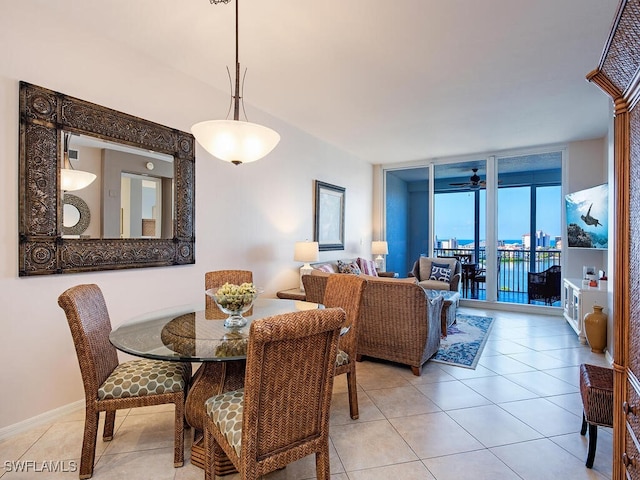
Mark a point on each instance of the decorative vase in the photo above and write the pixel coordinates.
(595, 326)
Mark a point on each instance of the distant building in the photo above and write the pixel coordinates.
(452, 243)
(542, 240)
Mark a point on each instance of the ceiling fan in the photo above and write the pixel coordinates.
(474, 183)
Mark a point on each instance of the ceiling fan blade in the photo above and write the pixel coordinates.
(465, 184)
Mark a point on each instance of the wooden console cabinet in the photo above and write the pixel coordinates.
(578, 301)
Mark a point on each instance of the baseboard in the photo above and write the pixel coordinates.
(512, 307)
(42, 419)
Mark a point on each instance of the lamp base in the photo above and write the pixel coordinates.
(380, 263)
(306, 269)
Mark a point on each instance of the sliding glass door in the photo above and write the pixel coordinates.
(501, 216)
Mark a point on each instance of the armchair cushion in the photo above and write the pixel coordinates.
(440, 272)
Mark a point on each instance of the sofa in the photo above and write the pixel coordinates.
(366, 267)
(398, 322)
(422, 271)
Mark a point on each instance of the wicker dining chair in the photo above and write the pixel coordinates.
(282, 413)
(315, 286)
(345, 291)
(217, 278)
(110, 385)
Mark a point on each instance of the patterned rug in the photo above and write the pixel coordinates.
(465, 340)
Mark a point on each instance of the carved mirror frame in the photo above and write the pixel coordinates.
(44, 114)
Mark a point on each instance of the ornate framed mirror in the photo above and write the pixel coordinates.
(45, 117)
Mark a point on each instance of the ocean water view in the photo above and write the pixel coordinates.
(462, 243)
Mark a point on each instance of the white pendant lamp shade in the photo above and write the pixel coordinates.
(235, 141)
(71, 180)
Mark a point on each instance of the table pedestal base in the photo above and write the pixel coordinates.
(212, 378)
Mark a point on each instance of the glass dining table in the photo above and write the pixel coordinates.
(197, 334)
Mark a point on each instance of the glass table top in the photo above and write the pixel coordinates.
(195, 334)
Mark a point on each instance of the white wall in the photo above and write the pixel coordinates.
(586, 167)
(246, 217)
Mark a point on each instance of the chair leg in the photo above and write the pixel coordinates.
(583, 429)
(353, 394)
(178, 449)
(593, 438)
(109, 422)
(322, 463)
(208, 442)
(89, 443)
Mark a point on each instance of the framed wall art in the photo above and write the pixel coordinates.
(329, 216)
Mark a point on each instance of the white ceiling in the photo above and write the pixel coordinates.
(389, 81)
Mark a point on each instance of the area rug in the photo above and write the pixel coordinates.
(465, 341)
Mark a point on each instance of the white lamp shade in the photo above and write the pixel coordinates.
(379, 248)
(235, 141)
(306, 252)
(71, 180)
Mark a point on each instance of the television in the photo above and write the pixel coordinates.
(588, 218)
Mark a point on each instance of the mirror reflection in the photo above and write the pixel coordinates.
(133, 194)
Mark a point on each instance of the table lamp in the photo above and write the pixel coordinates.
(305, 252)
(379, 248)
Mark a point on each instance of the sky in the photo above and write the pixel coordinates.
(455, 218)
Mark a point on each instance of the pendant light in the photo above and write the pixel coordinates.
(70, 178)
(234, 140)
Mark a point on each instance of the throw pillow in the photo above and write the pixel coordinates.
(368, 267)
(352, 268)
(440, 272)
(325, 268)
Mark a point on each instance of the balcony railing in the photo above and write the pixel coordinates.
(513, 267)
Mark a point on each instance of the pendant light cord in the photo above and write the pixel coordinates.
(236, 97)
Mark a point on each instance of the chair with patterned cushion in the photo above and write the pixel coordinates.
(217, 278)
(345, 291)
(282, 413)
(110, 385)
(437, 273)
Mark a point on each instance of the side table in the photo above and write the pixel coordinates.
(292, 294)
(388, 274)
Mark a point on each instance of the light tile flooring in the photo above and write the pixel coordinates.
(516, 416)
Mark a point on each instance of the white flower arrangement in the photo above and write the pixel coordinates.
(236, 297)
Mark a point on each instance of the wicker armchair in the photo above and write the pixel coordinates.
(102, 375)
(217, 278)
(399, 323)
(345, 291)
(546, 286)
(397, 320)
(282, 413)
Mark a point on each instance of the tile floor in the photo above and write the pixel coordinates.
(516, 416)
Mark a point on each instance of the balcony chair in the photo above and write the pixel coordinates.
(546, 286)
(104, 378)
(480, 276)
(282, 413)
